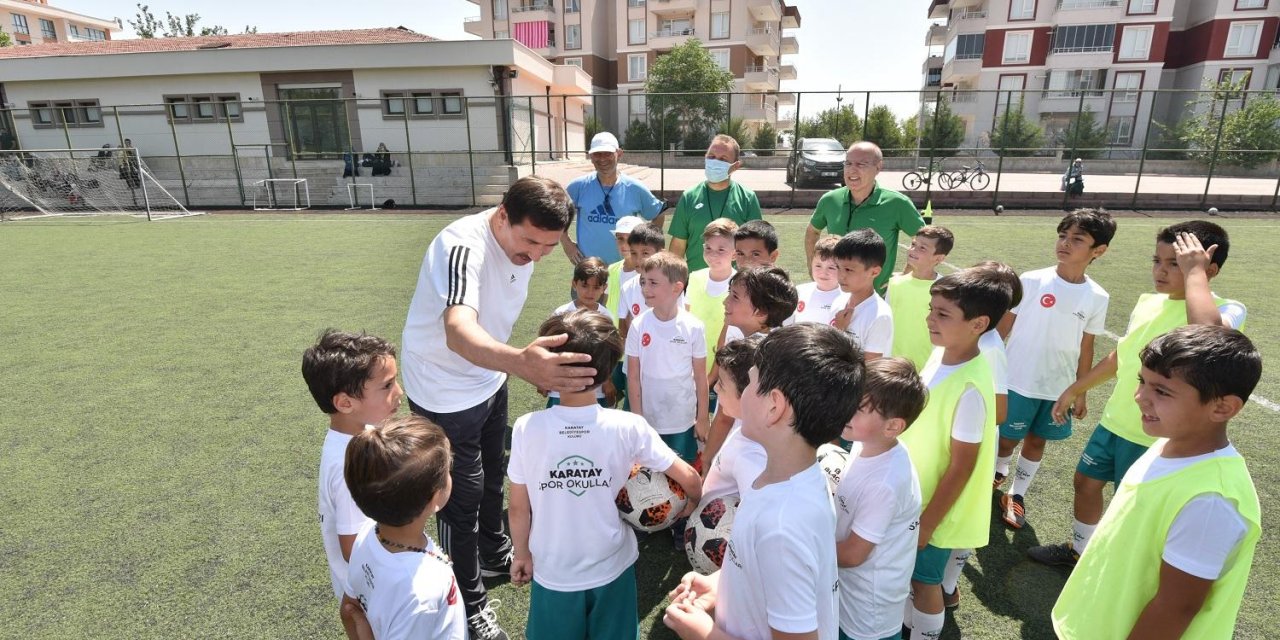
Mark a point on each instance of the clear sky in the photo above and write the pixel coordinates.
(856, 45)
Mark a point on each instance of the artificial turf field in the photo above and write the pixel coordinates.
(159, 449)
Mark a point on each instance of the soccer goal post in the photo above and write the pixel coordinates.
(42, 183)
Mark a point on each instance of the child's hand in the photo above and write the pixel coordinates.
(610, 393)
(1081, 408)
(1065, 401)
(841, 321)
(696, 589)
(688, 621)
(702, 428)
(521, 570)
(1190, 254)
(926, 533)
(542, 392)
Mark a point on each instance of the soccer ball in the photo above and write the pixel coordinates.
(999, 209)
(706, 537)
(833, 459)
(1213, 211)
(649, 500)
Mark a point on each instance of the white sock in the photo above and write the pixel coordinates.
(909, 611)
(1025, 472)
(1002, 465)
(928, 626)
(951, 575)
(1080, 535)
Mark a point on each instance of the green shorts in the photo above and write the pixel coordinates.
(685, 444)
(896, 636)
(931, 562)
(1032, 415)
(1107, 456)
(608, 611)
(620, 383)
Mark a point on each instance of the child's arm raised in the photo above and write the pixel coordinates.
(520, 515)
(1177, 601)
(1100, 373)
(1194, 261)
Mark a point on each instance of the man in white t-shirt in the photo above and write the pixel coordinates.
(472, 286)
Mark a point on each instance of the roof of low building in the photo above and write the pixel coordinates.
(385, 35)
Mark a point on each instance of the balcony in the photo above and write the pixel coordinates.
(763, 41)
(932, 63)
(936, 36)
(476, 26)
(758, 113)
(530, 11)
(1072, 5)
(765, 10)
(959, 69)
(790, 46)
(673, 7)
(790, 17)
(787, 72)
(759, 78)
(937, 9)
(668, 38)
(786, 99)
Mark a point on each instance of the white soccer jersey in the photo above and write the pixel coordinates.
(738, 463)
(573, 461)
(872, 325)
(779, 570)
(815, 305)
(464, 265)
(879, 500)
(339, 514)
(1044, 346)
(666, 351)
(993, 349)
(407, 594)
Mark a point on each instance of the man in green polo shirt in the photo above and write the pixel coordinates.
(718, 197)
(864, 204)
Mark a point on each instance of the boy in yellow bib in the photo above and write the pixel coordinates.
(1171, 557)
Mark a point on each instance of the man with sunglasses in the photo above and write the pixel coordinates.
(601, 198)
(863, 203)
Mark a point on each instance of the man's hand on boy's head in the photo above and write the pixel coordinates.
(554, 371)
(1190, 254)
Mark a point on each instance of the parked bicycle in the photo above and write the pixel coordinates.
(976, 177)
(922, 176)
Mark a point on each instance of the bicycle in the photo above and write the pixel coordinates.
(913, 180)
(977, 177)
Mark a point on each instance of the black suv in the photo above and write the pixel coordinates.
(816, 160)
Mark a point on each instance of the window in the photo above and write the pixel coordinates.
(721, 58)
(75, 31)
(637, 67)
(636, 103)
(635, 3)
(1017, 47)
(1138, 7)
(499, 9)
(96, 34)
(1128, 84)
(423, 104)
(189, 109)
(1120, 130)
(501, 35)
(720, 25)
(1083, 38)
(934, 78)
(203, 107)
(43, 117)
(1087, 4)
(574, 62)
(20, 24)
(1273, 78)
(676, 27)
(47, 30)
(229, 107)
(1010, 90)
(636, 31)
(178, 108)
(1242, 40)
(573, 36)
(966, 47)
(1071, 83)
(1022, 9)
(1251, 4)
(392, 103)
(68, 113)
(452, 103)
(1136, 43)
(1236, 77)
(572, 6)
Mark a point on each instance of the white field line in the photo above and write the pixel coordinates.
(1108, 334)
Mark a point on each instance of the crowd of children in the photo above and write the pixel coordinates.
(731, 377)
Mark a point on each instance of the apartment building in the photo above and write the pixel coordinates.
(1056, 56)
(35, 22)
(617, 41)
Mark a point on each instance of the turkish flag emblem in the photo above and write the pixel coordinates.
(635, 309)
(453, 592)
(645, 340)
(1047, 301)
(800, 306)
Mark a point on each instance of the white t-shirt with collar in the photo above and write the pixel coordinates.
(573, 461)
(1045, 341)
(992, 348)
(464, 265)
(816, 305)
(339, 514)
(666, 350)
(872, 325)
(407, 594)
(737, 464)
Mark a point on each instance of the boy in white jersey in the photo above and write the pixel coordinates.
(908, 293)
(620, 273)
(399, 474)
(821, 299)
(779, 575)
(352, 378)
(1171, 557)
(755, 244)
(645, 241)
(1051, 340)
(739, 460)
(590, 279)
(567, 465)
(878, 504)
(860, 255)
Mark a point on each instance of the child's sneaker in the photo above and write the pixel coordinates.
(1014, 510)
(951, 600)
(995, 484)
(483, 624)
(1055, 555)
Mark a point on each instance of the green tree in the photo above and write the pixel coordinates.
(5, 40)
(882, 129)
(696, 141)
(910, 134)
(1014, 134)
(943, 130)
(590, 127)
(766, 140)
(639, 136)
(147, 25)
(1086, 135)
(689, 72)
(1250, 132)
(737, 129)
(841, 123)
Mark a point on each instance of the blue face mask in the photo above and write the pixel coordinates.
(717, 170)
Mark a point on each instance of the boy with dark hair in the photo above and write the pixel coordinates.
(821, 299)
(399, 474)
(645, 241)
(352, 377)
(1171, 557)
(860, 255)
(952, 443)
(779, 574)
(584, 586)
(738, 460)
(908, 293)
(1187, 256)
(1051, 340)
(878, 504)
(590, 279)
(755, 244)
(624, 270)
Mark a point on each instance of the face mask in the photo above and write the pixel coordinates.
(717, 170)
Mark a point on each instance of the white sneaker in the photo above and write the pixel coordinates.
(483, 624)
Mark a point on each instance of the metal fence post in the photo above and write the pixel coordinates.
(235, 158)
(1146, 142)
(866, 111)
(182, 173)
(1075, 146)
(933, 148)
(564, 120)
(1217, 145)
(662, 144)
(1004, 138)
(293, 152)
(795, 137)
(119, 129)
(351, 144)
(471, 156)
(408, 148)
(533, 139)
(66, 133)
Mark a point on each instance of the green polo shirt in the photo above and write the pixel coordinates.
(885, 211)
(698, 206)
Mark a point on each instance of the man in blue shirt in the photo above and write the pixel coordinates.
(603, 197)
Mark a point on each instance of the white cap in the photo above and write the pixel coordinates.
(626, 223)
(604, 141)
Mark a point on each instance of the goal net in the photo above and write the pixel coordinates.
(82, 182)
